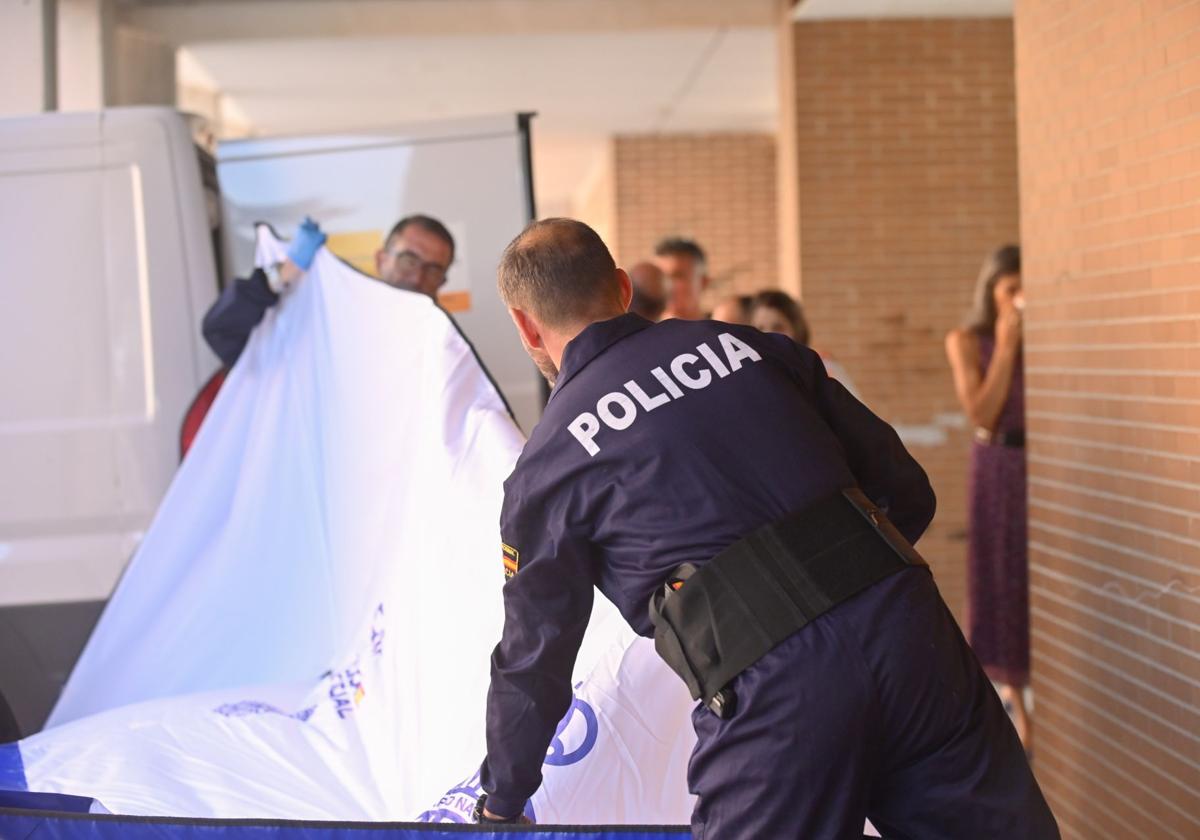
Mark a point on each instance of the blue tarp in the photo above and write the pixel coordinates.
(17, 824)
(12, 770)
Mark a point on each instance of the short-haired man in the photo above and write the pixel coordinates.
(649, 291)
(737, 504)
(686, 268)
(415, 256)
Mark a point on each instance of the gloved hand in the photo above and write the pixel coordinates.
(308, 240)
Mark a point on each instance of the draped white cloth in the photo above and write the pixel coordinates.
(305, 629)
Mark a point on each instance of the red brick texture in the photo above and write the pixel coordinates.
(1109, 134)
(718, 189)
(907, 161)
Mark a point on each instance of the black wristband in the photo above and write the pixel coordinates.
(481, 817)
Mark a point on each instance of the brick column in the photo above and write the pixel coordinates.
(1109, 116)
(905, 156)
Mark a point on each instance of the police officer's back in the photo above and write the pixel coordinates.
(706, 478)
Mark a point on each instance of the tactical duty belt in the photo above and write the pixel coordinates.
(712, 623)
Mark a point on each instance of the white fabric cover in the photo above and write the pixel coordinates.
(305, 630)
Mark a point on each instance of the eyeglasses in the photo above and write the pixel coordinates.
(409, 262)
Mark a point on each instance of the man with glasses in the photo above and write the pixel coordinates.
(415, 256)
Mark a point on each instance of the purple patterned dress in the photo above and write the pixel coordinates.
(998, 562)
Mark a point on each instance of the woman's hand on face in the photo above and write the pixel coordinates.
(1008, 326)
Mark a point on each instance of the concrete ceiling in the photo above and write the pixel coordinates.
(589, 68)
(585, 86)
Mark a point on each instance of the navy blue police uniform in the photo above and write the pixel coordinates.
(665, 444)
(240, 308)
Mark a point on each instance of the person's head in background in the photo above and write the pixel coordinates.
(416, 255)
(997, 290)
(556, 278)
(649, 291)
(684, 264)
(777, 312)
(734, 309)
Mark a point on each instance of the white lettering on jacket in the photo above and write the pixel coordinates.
(617, 411)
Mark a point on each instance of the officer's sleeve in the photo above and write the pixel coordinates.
(885, 470)
(547, 604)
(240, 308)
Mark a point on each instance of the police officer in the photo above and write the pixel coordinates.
(740, 506)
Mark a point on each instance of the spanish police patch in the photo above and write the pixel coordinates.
(511, 559)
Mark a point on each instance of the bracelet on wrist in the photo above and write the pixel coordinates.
(480, 816)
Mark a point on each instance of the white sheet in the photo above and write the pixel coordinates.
(305, 630)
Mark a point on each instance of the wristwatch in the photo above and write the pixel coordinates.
(480, 817)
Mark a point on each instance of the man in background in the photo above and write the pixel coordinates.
(416, 255)
(685, 266)
(649, 291)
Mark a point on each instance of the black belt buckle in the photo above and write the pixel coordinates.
(723, 704)
(883, 526)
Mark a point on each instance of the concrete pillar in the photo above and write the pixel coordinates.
(144, 71)
(27, 66)
(595, 200)
(86, 54)
(787, 174)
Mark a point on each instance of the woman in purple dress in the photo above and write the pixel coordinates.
(985, 356)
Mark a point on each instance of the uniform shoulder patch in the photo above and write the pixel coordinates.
(512, 559)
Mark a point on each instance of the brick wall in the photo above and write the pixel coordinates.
(1109, 115)
(716, 188)
(906, 159)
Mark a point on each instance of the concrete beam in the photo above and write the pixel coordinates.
(212, 20)
(808, 10)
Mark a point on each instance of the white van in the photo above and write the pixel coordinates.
(107, 231)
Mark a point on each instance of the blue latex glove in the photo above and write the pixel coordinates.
(308, 240)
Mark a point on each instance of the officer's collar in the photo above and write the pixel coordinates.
(594, 340)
